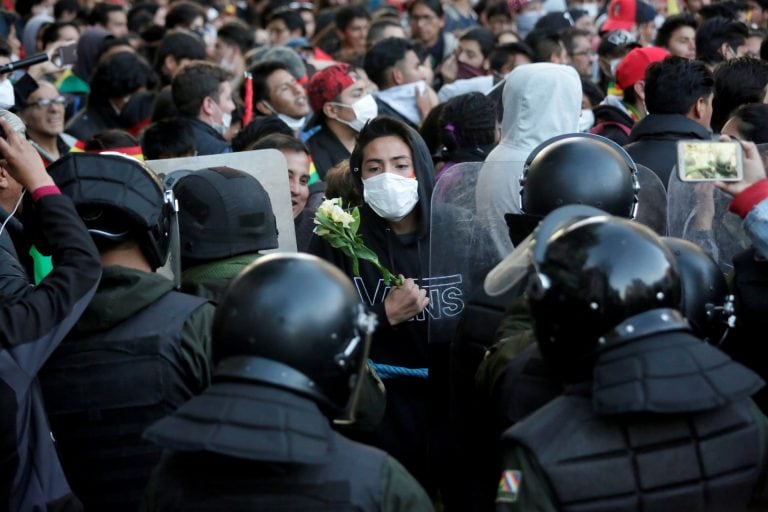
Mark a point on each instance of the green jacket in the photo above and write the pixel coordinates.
(123, 292)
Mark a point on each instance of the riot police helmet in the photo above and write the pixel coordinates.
(707, 302)
(295, 322)
(590, 273)
(579, 168)
(119, 199)
(223, 212)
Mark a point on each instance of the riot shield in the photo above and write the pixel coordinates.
(651, 201)
(266, 165)
(461, 250)
(698, 212)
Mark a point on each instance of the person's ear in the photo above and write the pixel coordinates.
(329, 110)
(700, 108)
(396, 76)
(263, 108)
(207, 106)
(4, 178)
(639, 88)
(724, 50)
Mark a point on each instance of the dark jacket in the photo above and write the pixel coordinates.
(140, 350)
(31, 477)
(92, 120)
(326, 150)
(207, 140)
(653, 141)
(403, 432)
(230, 461)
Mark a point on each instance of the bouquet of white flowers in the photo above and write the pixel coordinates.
(339, 227)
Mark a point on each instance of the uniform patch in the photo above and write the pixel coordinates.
(509, 485)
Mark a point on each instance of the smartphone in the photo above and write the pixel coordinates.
(699, 160)
(65, 56)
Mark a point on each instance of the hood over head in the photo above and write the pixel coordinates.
(541, 101)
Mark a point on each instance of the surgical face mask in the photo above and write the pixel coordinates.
(614, 63)
(226, 122)
(467, 71)
(586, 120)
(526, 20)
(590, 8)
(391, 196)
(295, 124)
(6, 94)
(365, 109)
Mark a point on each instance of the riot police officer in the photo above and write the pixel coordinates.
(140, 349)
(651, 417)
(290, 340)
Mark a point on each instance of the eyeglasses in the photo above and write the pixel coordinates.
(47, 102)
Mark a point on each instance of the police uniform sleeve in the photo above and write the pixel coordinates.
(401, 491)
(196, 344)
(522, 485)
(760, 497)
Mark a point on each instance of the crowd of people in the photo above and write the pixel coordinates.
(530, 309)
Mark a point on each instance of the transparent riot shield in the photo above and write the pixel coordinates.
(651, 201)
(698, 212)
(461, 250)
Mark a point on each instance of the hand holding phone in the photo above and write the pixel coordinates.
(709, 161)
(65, 55)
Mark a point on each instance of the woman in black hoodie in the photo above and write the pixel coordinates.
(392, 168)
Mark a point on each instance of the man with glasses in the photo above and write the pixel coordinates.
(580, 53)
(41, 107)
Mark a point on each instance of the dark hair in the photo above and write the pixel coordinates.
(292, 19)
(237, 33)
(121, 74)
(169, 138)
(64, 6)
(377, 28)
(737, 82)
(483, 37)
(501, 54)
(724, 9)
(281, 142)
(430, 131)
(5, 49)
(183, 14)
(50, 34)
(752, 122)
(340, 182)
(261, 73)
(711, 35)
(468, 121)
(670, 25)
(434, 5)
(258, 128)
(543, 44)
(764, 50)
(99, 15)
(592, 91)
(376, 128)
(349, 13)
(179, 44)
(383, 56)
(569, 34)
(500, 8)
(110, 139)
(194, 82)
(141, 16)
(673, 85)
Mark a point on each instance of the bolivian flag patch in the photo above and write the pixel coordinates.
(509, 485)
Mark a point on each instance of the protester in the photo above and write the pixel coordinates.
(33, 325)
(276, 92)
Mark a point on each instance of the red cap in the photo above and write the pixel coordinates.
(631, 69)
(327, 84)
(621, 15)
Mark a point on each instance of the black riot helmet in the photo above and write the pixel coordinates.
(590, 273)
(579, 168)
(707, 303)
(119, 199)
(295, 321)
(223, 212)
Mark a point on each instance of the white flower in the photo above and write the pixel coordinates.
(326, 207)
(339, 216)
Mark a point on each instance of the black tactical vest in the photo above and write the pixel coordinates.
(101, 392)
(250, 447)
(709, 461)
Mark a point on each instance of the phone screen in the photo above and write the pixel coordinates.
(709, 161)
(66, 55)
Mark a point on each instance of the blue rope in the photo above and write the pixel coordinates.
(387, 371)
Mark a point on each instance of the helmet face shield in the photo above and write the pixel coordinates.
(355, 357)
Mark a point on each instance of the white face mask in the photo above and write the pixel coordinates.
(7, 99)
(365, 109)
(226, 121)
(295, 124)
(586, 120)
(390, 195)
(590, 8)
(614, 63)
